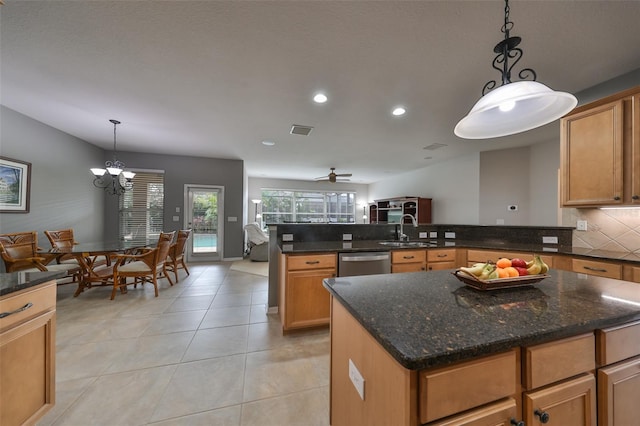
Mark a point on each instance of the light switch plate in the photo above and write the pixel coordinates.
(347, 245)
(287, 237)
(550, 240)
(176, 218)
(232, 219)
(581, 225)
(347, 237)
(499, 221)
(433, 234)
(356, 379)
(449, 234)
(177, 209)
(423, 235)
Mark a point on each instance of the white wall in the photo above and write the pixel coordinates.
(453, 186)
(257, 184)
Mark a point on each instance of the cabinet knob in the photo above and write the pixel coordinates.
(635, 197)
(515, 422)
(543, 415)
(616, 198)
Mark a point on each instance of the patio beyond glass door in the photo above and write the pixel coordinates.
(203, 214)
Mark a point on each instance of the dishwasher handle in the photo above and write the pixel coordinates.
(365, 258)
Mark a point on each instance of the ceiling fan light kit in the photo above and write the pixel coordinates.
(513, 107)
(334, 177)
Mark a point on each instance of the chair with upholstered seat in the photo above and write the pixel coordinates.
(175, 260)
(148, 266)
(20, 253)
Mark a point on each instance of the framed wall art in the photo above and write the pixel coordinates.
(15, 181)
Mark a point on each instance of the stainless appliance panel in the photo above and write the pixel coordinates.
(364, 263)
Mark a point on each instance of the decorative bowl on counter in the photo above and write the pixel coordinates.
(497, 283)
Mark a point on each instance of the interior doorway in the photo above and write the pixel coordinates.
(204, 213)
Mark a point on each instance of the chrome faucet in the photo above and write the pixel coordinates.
(402, 236)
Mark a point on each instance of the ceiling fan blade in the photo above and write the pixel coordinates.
(321, 177)
(344, 174)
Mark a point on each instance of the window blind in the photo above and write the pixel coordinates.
(142, 208)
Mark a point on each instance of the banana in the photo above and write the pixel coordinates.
(488, 270)
(474, 270)
(536, 268)
(544, 268)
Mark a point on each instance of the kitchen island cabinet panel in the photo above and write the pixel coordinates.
(618, 393)
(617, 343)
(499, 414)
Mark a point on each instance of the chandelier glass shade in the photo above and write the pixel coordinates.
(113, 178)
(512, 107)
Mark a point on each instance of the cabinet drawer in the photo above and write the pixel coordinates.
(41, 298)
(617, 343)
(497, 414)
(407, 267)
(316, 261)
(438, 266)
(450, 390)
(554, 361)
(408, 256)
(441, 255)
(601, 269)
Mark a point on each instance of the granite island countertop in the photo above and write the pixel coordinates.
(16, 281)
(428, 319)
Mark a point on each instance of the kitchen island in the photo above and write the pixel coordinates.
(424, 348)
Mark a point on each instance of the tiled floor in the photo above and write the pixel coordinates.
(203, 353)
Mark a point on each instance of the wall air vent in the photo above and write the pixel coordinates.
(435, 146)
(297, 129)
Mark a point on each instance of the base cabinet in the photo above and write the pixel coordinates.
(408, 261)
(27, 355)
(304, 302)
(503, 413)
(619, 394)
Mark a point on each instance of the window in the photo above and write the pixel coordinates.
(282, 206)
(142, 208)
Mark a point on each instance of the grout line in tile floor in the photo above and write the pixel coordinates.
(204, 352)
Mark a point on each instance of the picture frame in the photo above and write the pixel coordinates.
(15, 185)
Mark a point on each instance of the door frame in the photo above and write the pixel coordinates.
(220, 236)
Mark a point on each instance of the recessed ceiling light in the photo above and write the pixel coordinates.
(268, 143)
(320, 98)
(398, 111)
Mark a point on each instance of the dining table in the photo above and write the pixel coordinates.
(96, 258)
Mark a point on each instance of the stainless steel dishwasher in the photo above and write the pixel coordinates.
(364, 263)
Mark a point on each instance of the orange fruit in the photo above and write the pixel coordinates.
(513, 272)
(502, 273)
(503, 263)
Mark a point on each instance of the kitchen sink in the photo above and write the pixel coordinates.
(407, 244)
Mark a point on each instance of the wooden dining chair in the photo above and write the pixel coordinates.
(148, 266)
(175, 260)
(20, 253)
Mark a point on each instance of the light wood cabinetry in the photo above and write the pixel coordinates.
(618, 352)
(441, 259)
(390, 210)
(304, 302)
(27, 354)
(408, 261)
(599, 268)
(503, 413)
(600, 152)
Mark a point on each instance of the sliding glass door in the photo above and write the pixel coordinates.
(204, 214)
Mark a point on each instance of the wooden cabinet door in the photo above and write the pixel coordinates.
(619, 393)
(307, 301)
(498, 414)
(27, 379)
(591, 156)
(570, 403)
(634, 157)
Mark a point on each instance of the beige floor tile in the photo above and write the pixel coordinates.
(269, 335)
(223, 317)
(143, 307)
(175, 322)
(202, 385)
(285, 370)
(228, 416)
(89, 359)
(151, 351)
(259, 297)
(199, 290)
(91, 330)
(119, 399)
(67, 392)
(306, 408)
(258, 313)
(231, 299)
(190, 303)
(217, 342)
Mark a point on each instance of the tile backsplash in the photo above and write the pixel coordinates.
(608, 229)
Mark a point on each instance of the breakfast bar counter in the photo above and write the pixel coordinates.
(391, 332)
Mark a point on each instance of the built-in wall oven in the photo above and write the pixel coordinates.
(364, 263)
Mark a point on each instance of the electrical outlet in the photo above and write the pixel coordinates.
(232, 219)
(549, 240)
(423, 235)
(499, 221)
(347, 237)
(176, 218)
(581, 225)
(449, 234)
(356, 379)
(287, 237)
(433, 234)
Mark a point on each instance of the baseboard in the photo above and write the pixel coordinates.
(232, 259)
(272, 309)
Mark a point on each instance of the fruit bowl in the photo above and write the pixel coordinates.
(498, 283)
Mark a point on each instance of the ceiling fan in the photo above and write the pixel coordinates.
(333, 177)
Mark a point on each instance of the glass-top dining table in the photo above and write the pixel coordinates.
(96, 259)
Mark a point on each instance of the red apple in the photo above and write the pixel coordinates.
(521, 271)
(518, 263)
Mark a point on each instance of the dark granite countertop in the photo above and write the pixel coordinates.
(427, 319)
(16, 281)
(374, 245)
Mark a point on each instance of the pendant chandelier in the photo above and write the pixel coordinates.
(113, 179)
(513, 107)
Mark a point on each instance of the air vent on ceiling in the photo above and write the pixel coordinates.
(435, 146)
(297, 129)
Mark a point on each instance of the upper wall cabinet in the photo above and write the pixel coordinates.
(600, 152)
